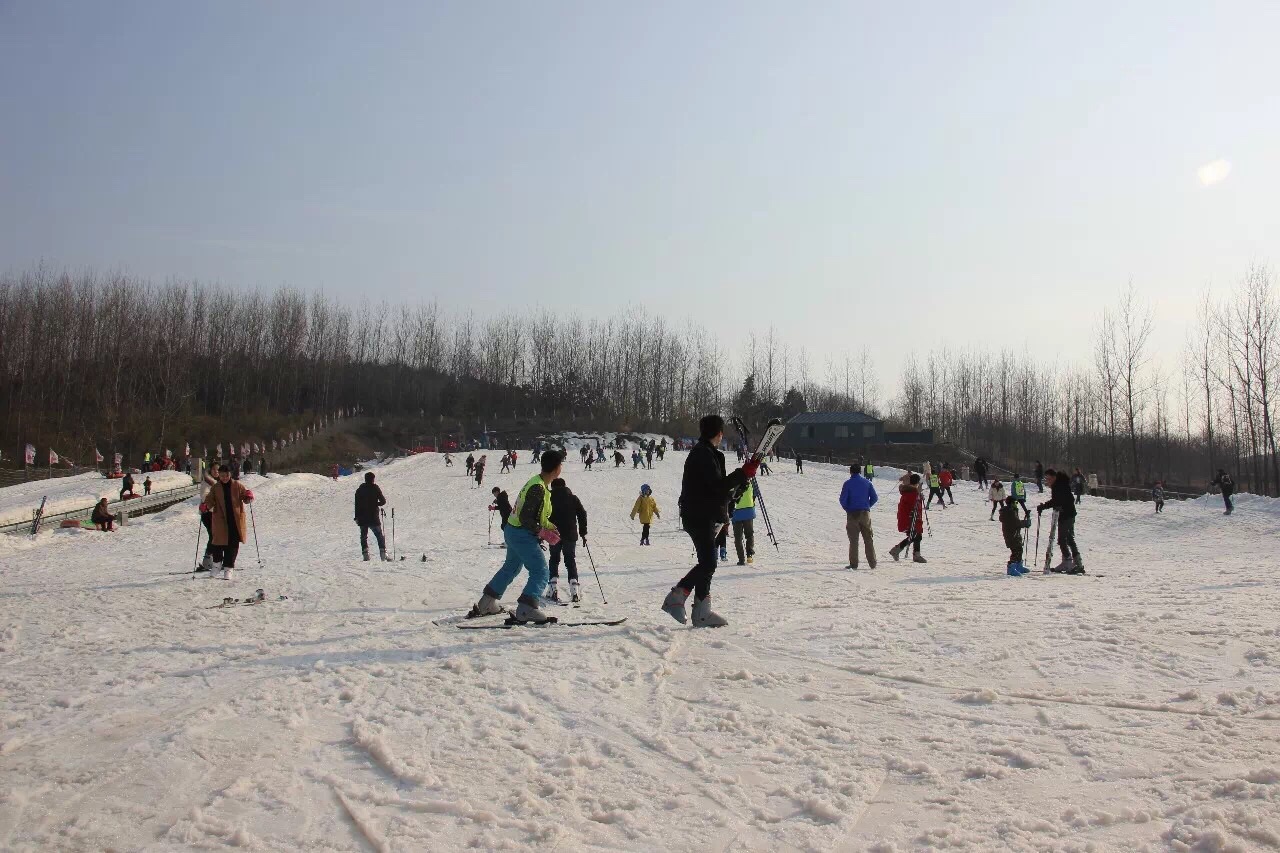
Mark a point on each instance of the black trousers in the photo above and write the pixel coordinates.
(938, 493)
(912, 539)
(1067, 537)
(226, 554)
(206, 518)
(568, 548)
(744, 530)
(644, 533)
(377, 534)
(698, 579)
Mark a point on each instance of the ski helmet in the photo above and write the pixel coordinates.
(644, 490)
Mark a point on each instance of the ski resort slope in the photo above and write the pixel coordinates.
(912, 706)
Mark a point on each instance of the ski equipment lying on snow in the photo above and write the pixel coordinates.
(462, 617)
(258, 597)
(512, 622)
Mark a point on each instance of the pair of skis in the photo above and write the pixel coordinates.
(772, 433)
(258, 597)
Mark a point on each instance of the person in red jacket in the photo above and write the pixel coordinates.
(946, 478)
(910, 519)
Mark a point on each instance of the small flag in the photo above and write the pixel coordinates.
(218, 451)
(53, 457)
(31, 454)
(97, 457)
(186, 450)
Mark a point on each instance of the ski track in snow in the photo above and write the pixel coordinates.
(912, 706)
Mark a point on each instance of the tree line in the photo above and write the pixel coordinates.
(112, 361)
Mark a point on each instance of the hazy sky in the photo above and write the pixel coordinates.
(892, 174)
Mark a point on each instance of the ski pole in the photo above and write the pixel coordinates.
(393, 533)
(199, 529)
(1036, 552)
(764, 513)
(254, 522)
(490, 536)
(593, 570)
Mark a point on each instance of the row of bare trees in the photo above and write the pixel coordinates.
(1123, 416)
(93, 360)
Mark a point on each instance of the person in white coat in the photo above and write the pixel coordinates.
(996, 496)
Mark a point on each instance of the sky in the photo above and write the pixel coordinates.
(897, 176)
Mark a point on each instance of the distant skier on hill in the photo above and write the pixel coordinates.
(471, 463)
(480, 463)
(647, 508)
(1077, 485)
(1228, 486)
(980, 470)
(1157, 495)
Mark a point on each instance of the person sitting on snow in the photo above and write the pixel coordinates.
(102, 517)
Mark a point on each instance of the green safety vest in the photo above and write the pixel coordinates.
(146, 457)
(544, 517)
(748, 498)
(869, 469)
(1019, 489)
(933, 481)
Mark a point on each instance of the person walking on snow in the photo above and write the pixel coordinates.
(704, 495)
(996, 496)
(945, 479)
(480, 463)
(935, 490)
(980, 471)
(857, 497)
(529, 524)
(1061, 499)
(1039, 476)
(225, 503)
(910, 519)
(471, 463)
(1012, 526)
(570, 520)
(799, 463)
(1157, 495)
(647, 508)
(1018, 492)
(1228, 486)
(146, 486)
(502, 504)
(1077, 485)
(744, 524)
(369, 503)
(648, 457)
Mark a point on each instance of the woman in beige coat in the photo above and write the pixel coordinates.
(225, 502)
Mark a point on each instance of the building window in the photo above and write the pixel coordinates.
(868, 430)
(808, 432)
(842, 431)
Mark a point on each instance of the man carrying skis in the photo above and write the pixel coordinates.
(369, 503)
(1061, 499)
(529, 524)
(857, 497)
(704, 496)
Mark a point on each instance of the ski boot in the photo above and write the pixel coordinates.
(705, 617)
(916, 558)
(674, 603)
(386, 558)
(574, 595)
(206, 565)
(1077, 568)
(895, 552)
(742, 562)
(366, 556)
(487, 606)
(553, 592)
(1013, 570)
(1064, 567)
(227, 572)
(529, 610)
(751, 558)
(724, 554)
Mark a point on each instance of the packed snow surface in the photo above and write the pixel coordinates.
(941, 705)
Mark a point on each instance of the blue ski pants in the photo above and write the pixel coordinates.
(523, 551)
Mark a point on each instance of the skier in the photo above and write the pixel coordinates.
(1012, 526)
(935, 489)
(146, 486)
(662, 450)
(945, 479)
(226, 502)
(502, 504)
(647, 508)
(996, 496)
(1077, 485)
(765, 470)
(799, 463)
(591, 457)
(471, 463)
(101, 517)
(743, 519)
(617, 459)
(1157, 495)
(530, 523)
(1228, 486)
(1018, 492)
(1061, 499)
(369, 501)
(1039, 476)
(448, 460)
(635, 458)
(506, 463)
(980, 469)
(704, 492)
(910, 519)
(570, 520)
(869, 471)
(857, 497)
(648, 457)
(480, 463)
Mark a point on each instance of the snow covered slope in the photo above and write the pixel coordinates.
(79, 492)
(941, 705)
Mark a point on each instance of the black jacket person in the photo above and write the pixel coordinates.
(369, 501)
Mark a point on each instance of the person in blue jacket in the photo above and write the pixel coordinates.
(857, 498)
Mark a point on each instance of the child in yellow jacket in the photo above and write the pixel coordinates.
(647, 508)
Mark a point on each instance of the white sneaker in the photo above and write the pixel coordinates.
(226, 574)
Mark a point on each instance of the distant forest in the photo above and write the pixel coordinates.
(122, 364)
